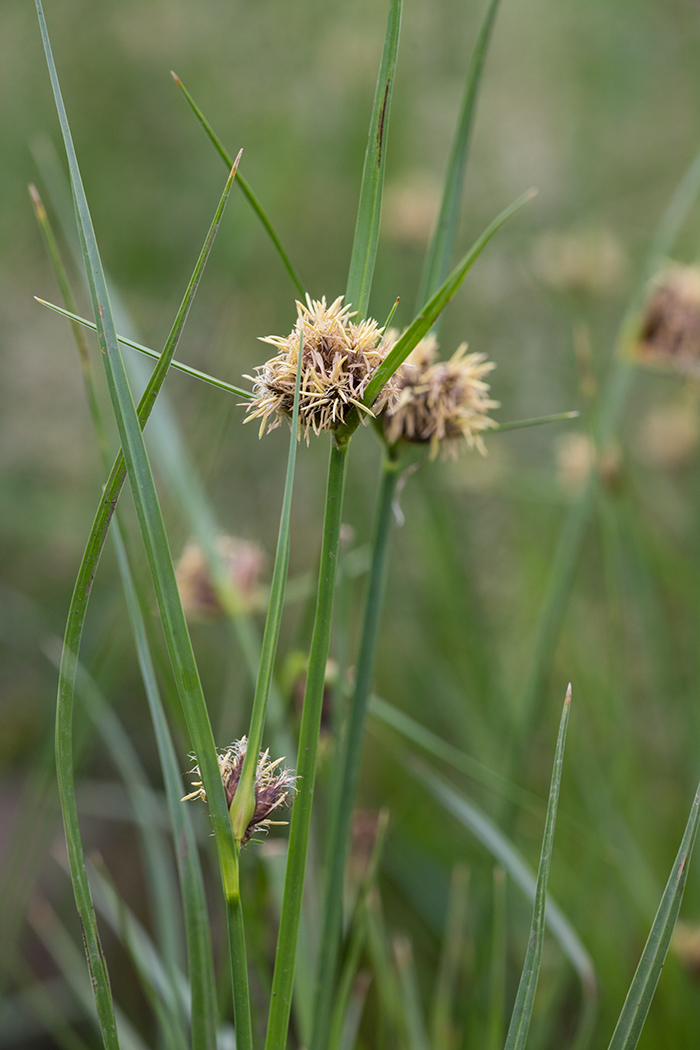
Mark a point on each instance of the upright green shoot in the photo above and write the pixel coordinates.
(437, 261)
(525, 998)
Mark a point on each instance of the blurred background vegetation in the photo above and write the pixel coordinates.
(598, 106)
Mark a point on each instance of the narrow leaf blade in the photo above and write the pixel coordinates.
(364, 249)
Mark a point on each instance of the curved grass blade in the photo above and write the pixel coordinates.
(434, 745)
(364, 247)
(188, 370)
(641, 992)
(438, 258)
(202, 999)
(423, 322)
(244, 185)
(154, 533)
(525, 998)
(197, 933)
(162, 890)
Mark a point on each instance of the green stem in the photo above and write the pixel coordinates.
(239, 963)
(349, 762)
(243, 804)
(283, 979)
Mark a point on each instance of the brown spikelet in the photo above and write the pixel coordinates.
(440, 401)
(273, 786)
(242, 562)
(670, 334)
(339, 359)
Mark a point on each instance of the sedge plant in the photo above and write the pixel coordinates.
(336, 369)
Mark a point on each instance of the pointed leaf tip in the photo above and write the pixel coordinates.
(176, 78)
(567, 698)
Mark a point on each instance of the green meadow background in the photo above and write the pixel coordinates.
(598, 106)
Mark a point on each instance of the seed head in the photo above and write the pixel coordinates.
(671, 328)
(339, 358)
(242, 563)
(440, 401)
(272, 786)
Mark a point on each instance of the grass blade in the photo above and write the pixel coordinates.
(414, 1024)
(66, 955)
(641, 992)
(451, 955)
(497, 974)
(348, 762)
(285, 958)
(244, 185)
(188, 370)
(434, 745)
(59, 269)
(502, 850)
(438, 258)
(364, 248)
(243, 805)
(197, 933)
(160, 563)
(536, 421)
(202, 1002)
(168, 1001)
(525, 998)
(423, 322)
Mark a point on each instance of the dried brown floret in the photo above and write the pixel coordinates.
(440, 401)
(242, 562)
(272, 786)
(671, 328)
(339, 359)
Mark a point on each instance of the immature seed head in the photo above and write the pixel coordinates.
(339, 358)
(671, 327)
(242, 562)
(273, 786)
(440, 401)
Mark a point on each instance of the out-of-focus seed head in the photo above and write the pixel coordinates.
(670, 335)
(273, 786)
(242, 563)
(440, 401)
(339, 358)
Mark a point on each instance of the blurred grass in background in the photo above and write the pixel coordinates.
(598, 105)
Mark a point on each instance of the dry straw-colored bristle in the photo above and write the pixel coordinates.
(339, 359)
(273, 786)
(440, 402)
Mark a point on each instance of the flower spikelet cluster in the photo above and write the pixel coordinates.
(242, 563)
(670, 334)
(273, 786)
(339, 359)
(441, 401)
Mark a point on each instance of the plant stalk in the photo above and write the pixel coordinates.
(349, 761)
(283, 979)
